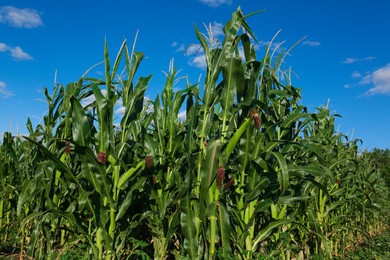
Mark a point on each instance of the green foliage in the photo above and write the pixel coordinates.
(249, 173)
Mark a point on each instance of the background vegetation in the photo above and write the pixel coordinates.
(249, 173)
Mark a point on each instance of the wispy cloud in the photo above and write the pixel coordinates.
(193, 49)
(217, 29)
(19, 54)
(356, 75)
(311, 43)
(272, 45)
(196, 55)
(4, 92)
(194, 52)
(188, 50)
(198, 61)
(120, 110)
(3, 47)
(16, 52)
(357, 60)
(214, 35)
(380, 81)
(349, 60)
(216, 3)
(20, 18)
(182, 47)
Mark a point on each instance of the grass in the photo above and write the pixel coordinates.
(377, 248)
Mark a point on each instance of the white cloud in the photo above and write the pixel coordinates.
(120, 111)
(90, 99)
(272, 45)
(193, 49)
(196, 55)
(349, 60)
(198, 61)
(19, 54)
(311, 43)
(181, 48)
(356, 60)
(174, 44)
(370, 58)
(356, 75)
(366, 80)
(3, 47)
(380, 81)
(216, 3)
(15, 52)
(182, 116)
(4, 93)
(217, 29)
(20, 18)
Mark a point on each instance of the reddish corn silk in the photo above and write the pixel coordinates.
(149, 161)
(220, 176)
(229, 184)
(256, 119)
(67, 147)
(102, 158)
(154, 181)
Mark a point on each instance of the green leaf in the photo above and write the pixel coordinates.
(224, 227)
(264, 233)
(125, 204)
(129, 173)
(233, 75)
(94, 172)
(117, 60)
(60, 166)
(283, 174)
(235, 138)
(81, 129)
(258, 188)
(290, 199)
(188, 221)
(313, 169)
(263, 205)
(105, 111)
(107, 69)
(29, 191)
(210, 167)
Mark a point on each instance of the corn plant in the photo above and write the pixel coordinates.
(249, 172)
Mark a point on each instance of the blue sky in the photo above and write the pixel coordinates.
(345, 56)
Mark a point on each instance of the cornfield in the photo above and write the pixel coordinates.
(249, 173)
